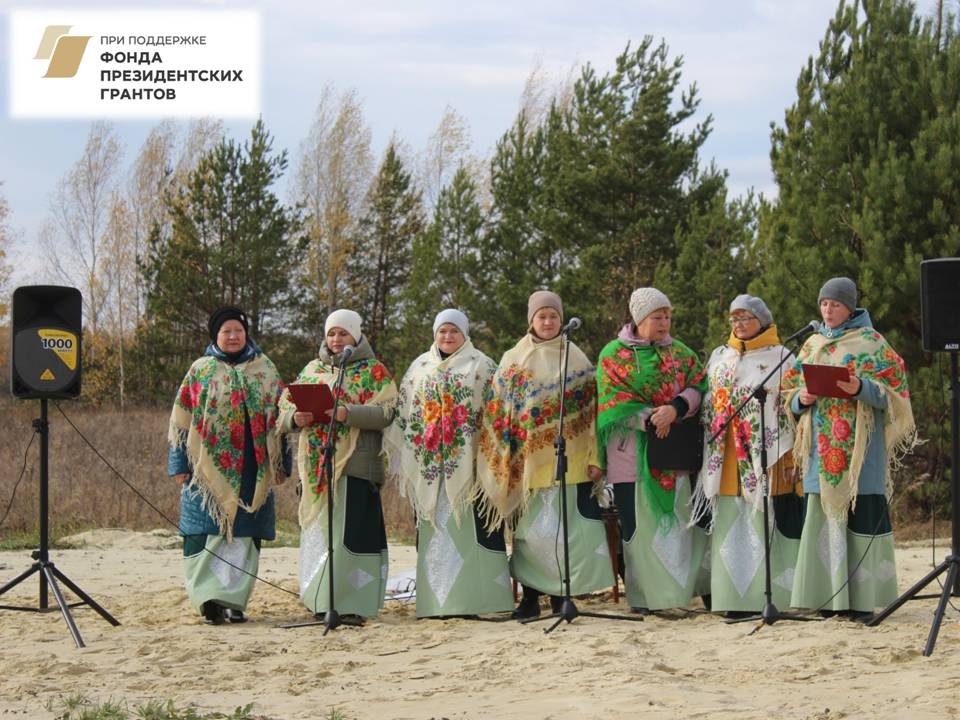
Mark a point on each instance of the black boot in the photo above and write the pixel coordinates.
(556, 603)
(529, 606)
(212, 613)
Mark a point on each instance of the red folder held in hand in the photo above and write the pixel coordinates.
(316, 399)
(822, 380)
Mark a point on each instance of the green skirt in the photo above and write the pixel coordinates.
(461, 569)
(831, 553)
(219, 570)
(359, 552)
(737, 575)
(537, 556)
(665, 564)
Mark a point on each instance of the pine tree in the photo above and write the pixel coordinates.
(866, 162)
(231, 241)
(380, 267)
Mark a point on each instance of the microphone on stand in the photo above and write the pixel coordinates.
(805, 330)
(575, 323)
(345, 354)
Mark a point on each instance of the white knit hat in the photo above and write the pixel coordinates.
(453, 317)
(346, 319)
(644, 301)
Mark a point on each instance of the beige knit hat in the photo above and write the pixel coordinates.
(542, 299)
(644, 301)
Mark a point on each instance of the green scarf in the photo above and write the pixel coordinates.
(208, 419)
(633, 380)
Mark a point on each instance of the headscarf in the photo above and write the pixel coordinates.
(366, 382)
(209, 413)
(844, 426)
(734, 371)
(433, 439)
(520, 424)
(633, 379)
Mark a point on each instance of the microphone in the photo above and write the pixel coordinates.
(805, 330)
(575, 323)
(345, 354)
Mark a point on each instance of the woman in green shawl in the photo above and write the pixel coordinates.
(647, 379)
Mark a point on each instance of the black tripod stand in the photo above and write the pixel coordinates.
(951, 564)
(770, 613)
(331, 619)
(42, 563)
(568, 610)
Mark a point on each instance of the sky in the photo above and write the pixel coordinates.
(410, 59)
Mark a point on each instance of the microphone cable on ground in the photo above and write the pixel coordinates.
(158, 510)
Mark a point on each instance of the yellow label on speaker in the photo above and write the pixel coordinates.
(61, 342)
(47, 375)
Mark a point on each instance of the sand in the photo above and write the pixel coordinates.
(674, 666)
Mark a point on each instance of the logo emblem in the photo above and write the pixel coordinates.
(62, 50)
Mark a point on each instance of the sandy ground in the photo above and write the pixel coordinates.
(688, 666)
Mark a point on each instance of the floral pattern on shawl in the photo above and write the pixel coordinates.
(209, 413)
(521, 422)
(365, 381)
(433, 439)
(634, 379)
(843, 425)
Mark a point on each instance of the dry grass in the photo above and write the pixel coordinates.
(85, 493)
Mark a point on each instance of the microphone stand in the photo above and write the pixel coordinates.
(770, 614)
(568, 610)
(331, 619)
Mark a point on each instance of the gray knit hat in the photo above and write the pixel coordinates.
(755, 306)
(542, 299)
(645, 300)
(841, 289)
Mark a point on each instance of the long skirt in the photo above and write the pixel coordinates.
(218, 570)
(359, 552)
(461, 569)
(665, 564)
(537, 558)
(849, 567)
(737, 573)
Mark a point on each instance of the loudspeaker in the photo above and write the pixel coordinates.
(45, 329)
(940, 304)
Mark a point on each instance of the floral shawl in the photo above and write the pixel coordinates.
(366, 382)
(209, 413)
(433, 438)
(733, 371)
(520, 423)
(844, 426)
(633, 380)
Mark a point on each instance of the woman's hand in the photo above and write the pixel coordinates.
(302, 419)
(181, 478)
(662, 418)
(808, 398)
(851, 386)
(594, 473)
(341, 414)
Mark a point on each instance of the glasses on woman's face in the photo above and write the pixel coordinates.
(742, 320)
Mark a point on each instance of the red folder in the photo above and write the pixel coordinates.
(822, 380)
(313, 398)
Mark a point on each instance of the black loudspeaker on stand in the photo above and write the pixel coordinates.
(568, 610)
(46, 333)
(940, 300)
